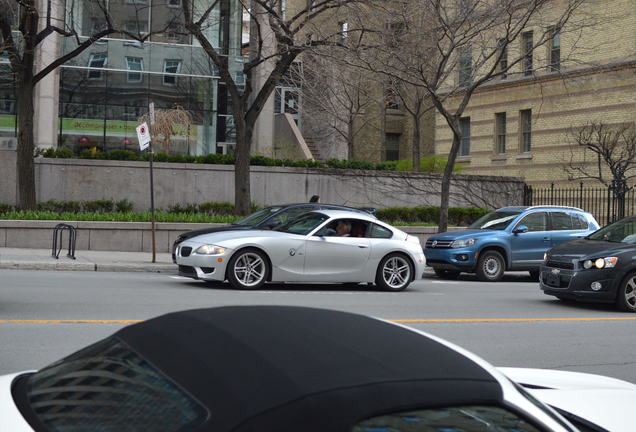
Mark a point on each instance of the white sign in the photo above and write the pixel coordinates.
(151, 111)
(143, 135)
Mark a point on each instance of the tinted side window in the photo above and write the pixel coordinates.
(579, 221)
(378, 231)
(287, 215)
(561, 221)
(535, 221)
(464, 418)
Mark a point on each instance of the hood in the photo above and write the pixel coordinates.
(220, 237)
(581, 248)
(604, 401)
(10, 418)
(197, 232)
(464, 233)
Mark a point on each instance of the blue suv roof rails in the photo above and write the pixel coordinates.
(554, 206)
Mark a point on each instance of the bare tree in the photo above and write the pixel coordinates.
(602, 152)
(25, 28)
(278, 37)
(450, 48)
(168, 124)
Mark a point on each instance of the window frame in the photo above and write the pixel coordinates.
(500, 132)
(134, 71)
(554, 51)
(464, 141)
(171, 75)
(527, 46)
(525, 130)
(465, 68)
(96, 74)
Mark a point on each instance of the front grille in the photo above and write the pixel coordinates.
(186, 251)
(187, 271)
(560, 264)
(438, 244)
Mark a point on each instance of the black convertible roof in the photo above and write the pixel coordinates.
(277, 368)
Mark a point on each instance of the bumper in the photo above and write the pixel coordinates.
(451, 259)
(576, 284)
(202, 267)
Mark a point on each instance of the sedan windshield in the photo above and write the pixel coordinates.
(258, 217)
(303, 225)
(494, 221)
(622, 231)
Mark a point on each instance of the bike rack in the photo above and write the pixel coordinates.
(58, 231)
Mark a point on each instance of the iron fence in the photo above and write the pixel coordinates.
(607, 204)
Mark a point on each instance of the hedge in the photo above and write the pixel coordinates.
(222, 212)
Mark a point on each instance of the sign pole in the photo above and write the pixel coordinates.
(143, 135)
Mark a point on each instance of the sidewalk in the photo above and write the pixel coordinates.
(107, 261)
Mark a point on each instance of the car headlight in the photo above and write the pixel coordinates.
(545, 257)
(462, 243)
(600, 263)
(210, 250)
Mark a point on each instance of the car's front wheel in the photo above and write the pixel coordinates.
(626, 296)
(490, 266)
(394, 273)
(248, 269)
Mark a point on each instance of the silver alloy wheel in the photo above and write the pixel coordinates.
(396, 272)
(630, 292)
(249, 269)
(491, 266)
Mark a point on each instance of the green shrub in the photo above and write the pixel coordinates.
(430, 164)
(5, 208)
(123, 206)
(98, 206)
(224, 208)
(186, 209)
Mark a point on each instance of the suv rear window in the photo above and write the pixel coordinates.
(108, 387)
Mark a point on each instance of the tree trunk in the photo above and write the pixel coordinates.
(416, 143)
(446, 184)
(350, 127)
(242, 166)
(25, 163)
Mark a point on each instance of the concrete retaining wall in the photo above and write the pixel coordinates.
(84, 180)
(115, 236)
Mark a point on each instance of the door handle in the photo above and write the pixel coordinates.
(363, 246)
(545, 239)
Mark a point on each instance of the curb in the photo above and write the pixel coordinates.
(88, 266)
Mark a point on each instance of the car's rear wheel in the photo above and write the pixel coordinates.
(534, 275)
(248, 269)
(626, 296)
(490, 266)
(446, 274)
(394, 273)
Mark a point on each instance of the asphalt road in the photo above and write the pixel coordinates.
(46, 315)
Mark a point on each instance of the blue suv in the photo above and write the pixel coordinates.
(511, 238)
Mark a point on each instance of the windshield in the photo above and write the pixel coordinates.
(623, 231)
(498, 220)
(258, 217)
(303, 225)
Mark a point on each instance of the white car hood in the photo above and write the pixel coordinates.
(604, 401)
(10, 418)
(222, 236)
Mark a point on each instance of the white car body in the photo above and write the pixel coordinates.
(305, 258)
(601, 400)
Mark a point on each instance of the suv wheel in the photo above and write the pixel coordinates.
(534, 275)
(490, 266)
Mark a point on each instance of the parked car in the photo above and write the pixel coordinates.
(275, 368)
(266, 218)
(600, 267)
(511, 238)
(307, 249)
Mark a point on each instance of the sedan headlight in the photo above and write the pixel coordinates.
(210, 250)
(462, 243)
(600, 263)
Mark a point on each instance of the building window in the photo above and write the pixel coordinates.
(344, 31)
(527, 48)
(171, 67)
(392, 146)
(97, 60)
(395, 33)
(555, 50)
(174, 3)
(391, 99)
(464, 144)
(465, 68)
(526, 130)
(503, 61)
(134, 64)
(136, 27)
(500, 132)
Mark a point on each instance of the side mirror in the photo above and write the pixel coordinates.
(326, 232)
(272, 224)
(520, 229)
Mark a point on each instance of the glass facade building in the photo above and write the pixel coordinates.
(106, 89)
